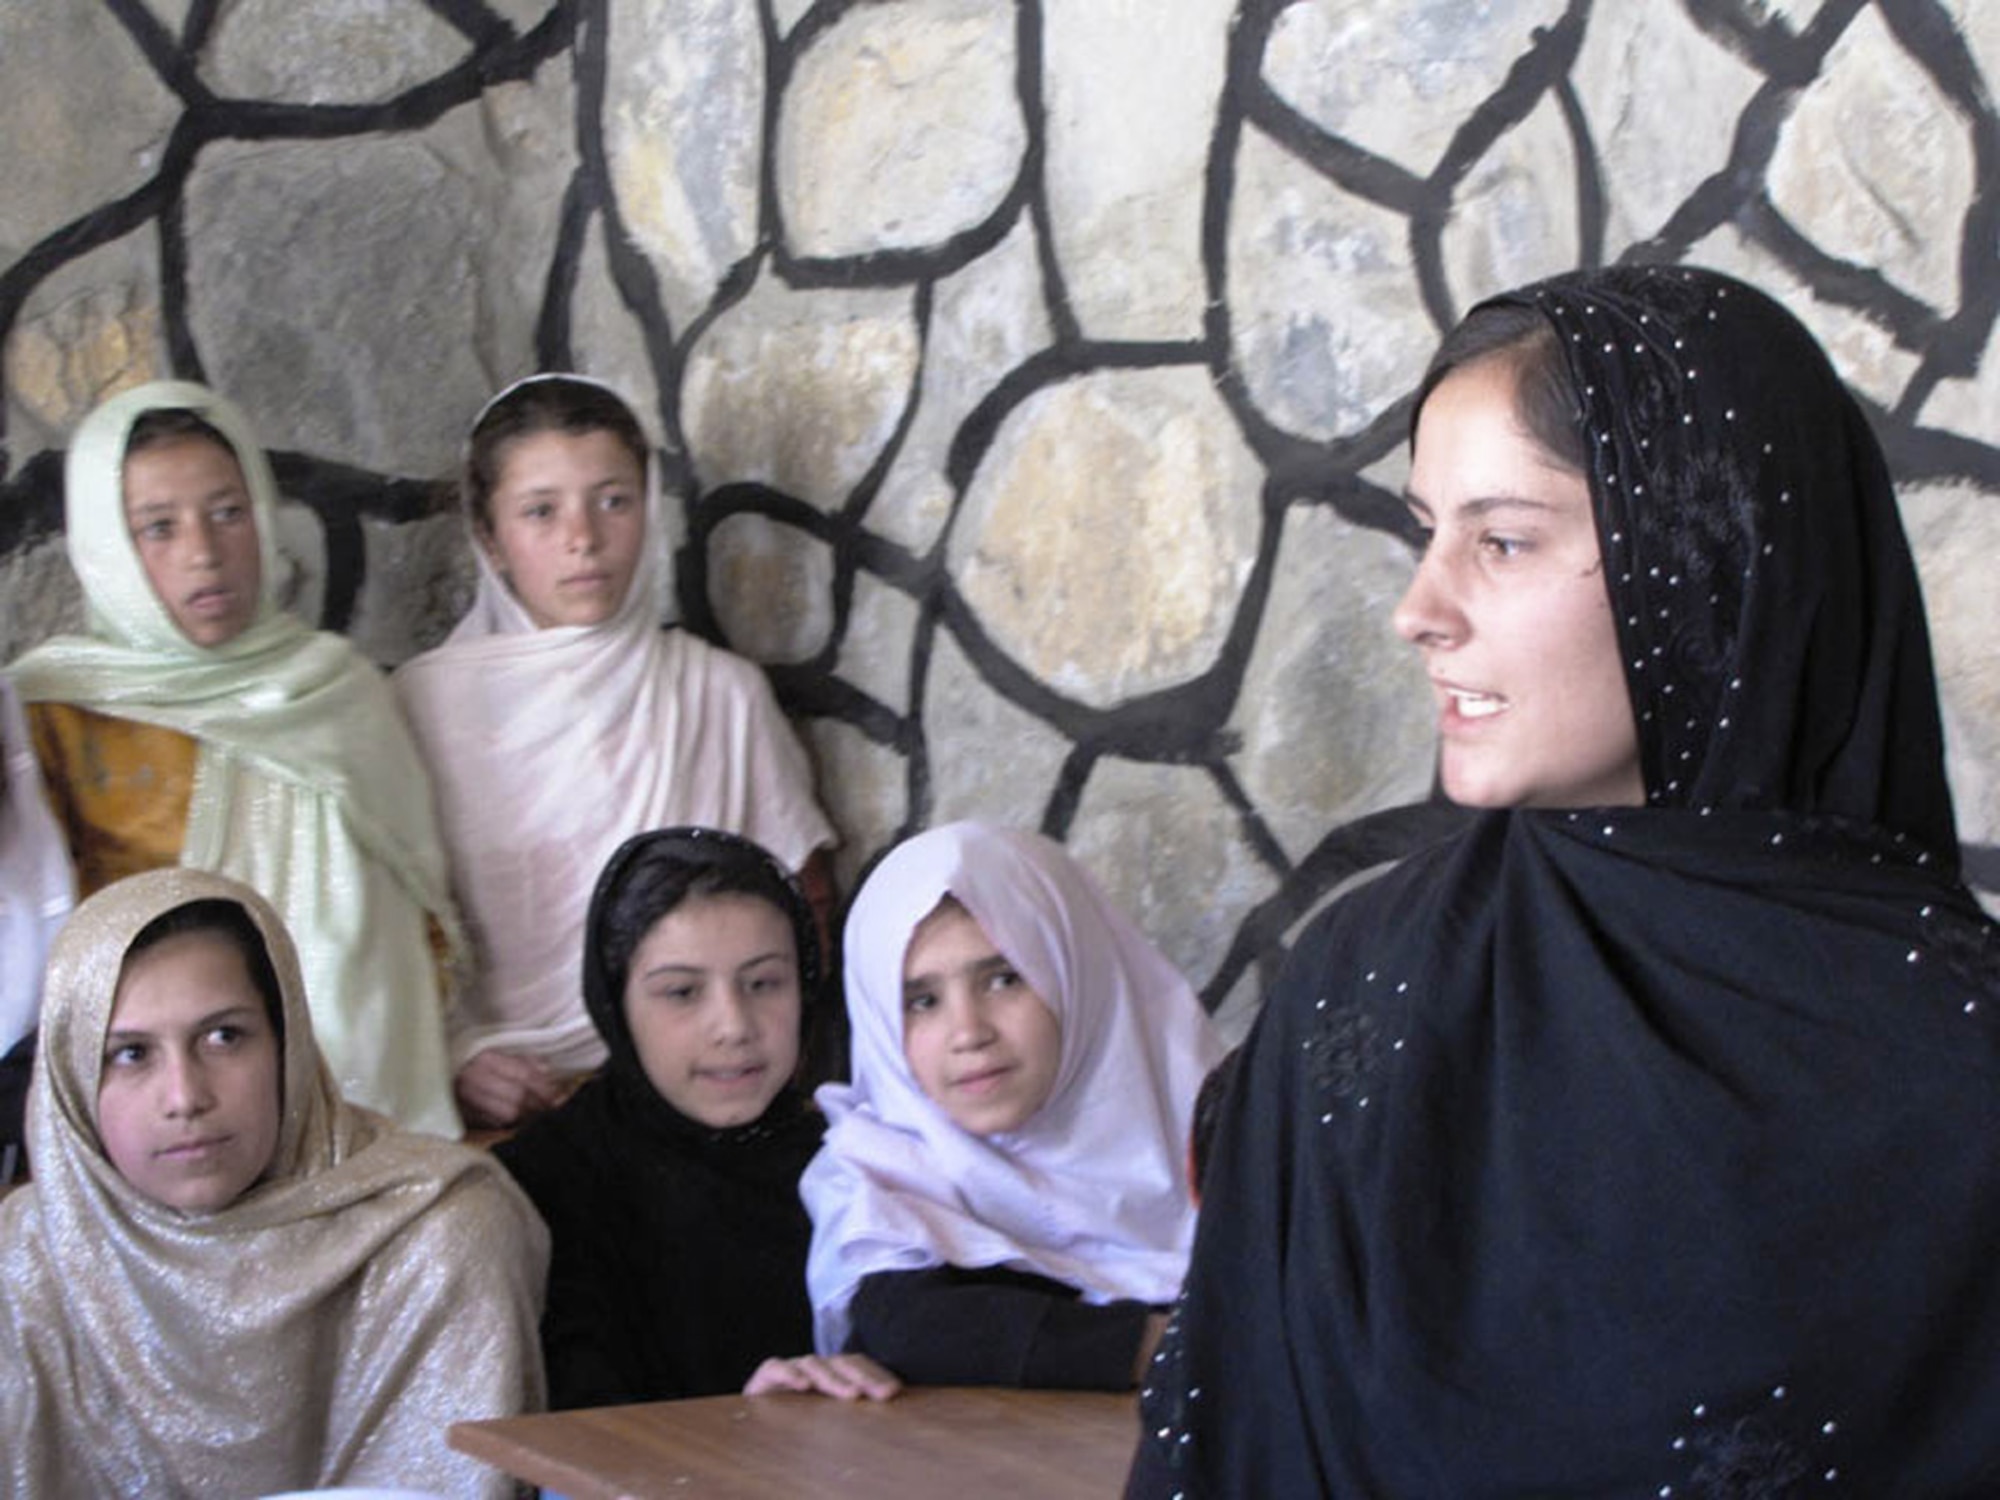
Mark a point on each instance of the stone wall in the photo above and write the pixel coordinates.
(1031, 375)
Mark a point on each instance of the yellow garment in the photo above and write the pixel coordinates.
(120, 790)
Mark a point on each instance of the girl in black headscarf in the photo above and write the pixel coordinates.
(670, 1180)
(1645, 1138)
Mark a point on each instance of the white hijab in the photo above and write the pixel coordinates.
(307, 787)
(1093, 1190)
(550, 747)
(36, 887)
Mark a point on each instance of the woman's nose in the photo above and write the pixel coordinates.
(187, 1090)
(1426, 615)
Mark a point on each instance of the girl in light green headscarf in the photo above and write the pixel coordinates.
(200, 724)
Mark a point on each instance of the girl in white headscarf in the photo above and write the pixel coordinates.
(223, 1279)
(1002, 1196)
(199, 723)
(559, 719)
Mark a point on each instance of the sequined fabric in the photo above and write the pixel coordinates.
(307, 786)
(1647, 1151)
(323, 1329)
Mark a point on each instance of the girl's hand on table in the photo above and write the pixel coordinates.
(846, 1377)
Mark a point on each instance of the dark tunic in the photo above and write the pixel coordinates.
(679, 1255)
(1641, 1151)
(678, 1251)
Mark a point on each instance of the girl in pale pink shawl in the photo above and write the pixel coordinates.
(559, 719)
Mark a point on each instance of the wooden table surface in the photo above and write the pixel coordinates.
(958, 1443)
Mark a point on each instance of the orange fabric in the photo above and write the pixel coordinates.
(120, 789)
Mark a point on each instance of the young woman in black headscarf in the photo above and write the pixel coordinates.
(670, 1181)
(1644, 1139)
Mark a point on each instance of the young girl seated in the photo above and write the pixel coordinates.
(200, 724)
(670, 1181)
(1002, 1198)
(224, 1280)
(559, 719)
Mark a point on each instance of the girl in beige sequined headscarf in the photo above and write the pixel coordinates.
(215, 1287)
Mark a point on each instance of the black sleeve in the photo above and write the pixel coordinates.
(15, 1069)
(949, 1326)
(587, 1330)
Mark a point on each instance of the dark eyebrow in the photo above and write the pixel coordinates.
(213, 1018)
(672, 968)
(168, 507)
(1484, 505)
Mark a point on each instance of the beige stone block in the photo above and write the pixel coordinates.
(1513, 219)
(1335, 713)
(525, 15)
(1398, 80)
(985, 320)
(864, 789)
(800, 391)
(418, 583)
(39, 596)
(607, 340)
(90, 330)
(900, 128)
(1327, 323)
(1130, 105)
(875, 651)
(82, 113)
(788, 13)
(1970, 404)
(772, 588)
(1875, 166)
(1170, 850)
(1662, 100)
(988, 757)
(1106, 538)
(356, 296)
(683, 124)
(354, 52)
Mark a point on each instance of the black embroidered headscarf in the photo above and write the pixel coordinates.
(679, 1249)
(1774, 638)
(1647, 1151)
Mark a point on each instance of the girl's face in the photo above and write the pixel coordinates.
(980, 1042)
(566, 523)
(189, 513)
(188, 1104)
(1510, 609)
(712, 1000)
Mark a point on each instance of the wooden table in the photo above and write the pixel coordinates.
(958, 1443)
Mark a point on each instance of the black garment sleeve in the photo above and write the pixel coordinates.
(588, 1328)
(15, 1069)
(946, 1325)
